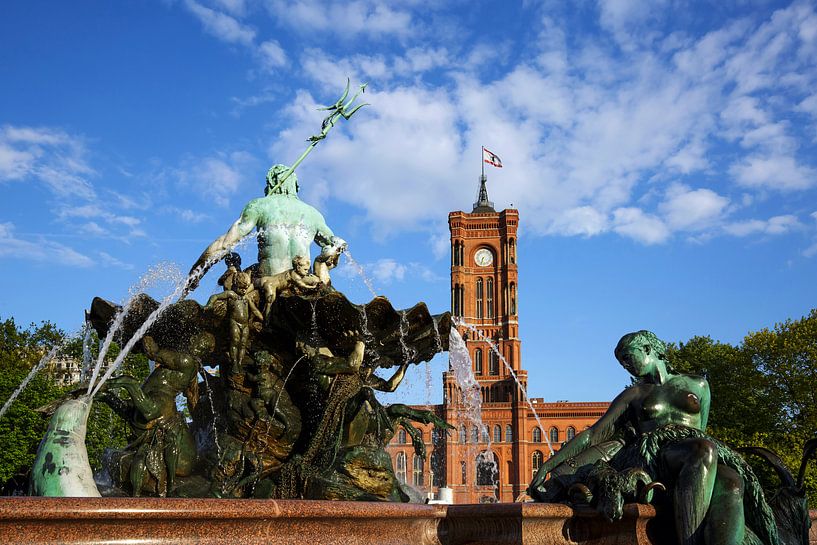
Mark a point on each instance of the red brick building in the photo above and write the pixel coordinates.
(484, 293)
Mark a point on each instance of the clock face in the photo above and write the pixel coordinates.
(483, 257)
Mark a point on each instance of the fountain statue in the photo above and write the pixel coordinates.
(653, 438)
(290, 411)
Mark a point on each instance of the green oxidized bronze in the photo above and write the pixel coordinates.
(653, 439)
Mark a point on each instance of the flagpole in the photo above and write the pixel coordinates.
(482, 161)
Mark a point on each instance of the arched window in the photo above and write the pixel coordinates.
(484, 434)
(455, 300)
(513, 298)
(401, 436)
(554, 435)
(400, 463)
(513, 251)
(536, 461)
(537, 435)
(493, 363)
(508, 434)
(497, 434)
(464, 472)
(463, 435)
(571, 433)
(489, 297)
(474, 435)
(418, 471)
(478, 361)
(479, 297)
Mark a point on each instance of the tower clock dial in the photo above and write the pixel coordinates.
(483, 257)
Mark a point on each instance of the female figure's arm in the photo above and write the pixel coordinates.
(602, 430)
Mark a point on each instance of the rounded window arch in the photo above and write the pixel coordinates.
(400, 465)
(508, 433)
(537, 434)
(536, 461)
(474, 435)
(479, 297)
(571, 432)
(493, 363)
(478, 361)
(417, 472)
(489, 297)
(401, 436)
(485, 437)
(463, 435)
(497, 434)
(554, 435)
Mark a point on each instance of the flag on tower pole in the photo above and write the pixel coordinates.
(491, 158)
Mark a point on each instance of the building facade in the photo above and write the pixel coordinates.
(520, 432)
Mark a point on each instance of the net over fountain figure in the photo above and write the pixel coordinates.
(654, 434)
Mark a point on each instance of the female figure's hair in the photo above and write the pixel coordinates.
(642, 338)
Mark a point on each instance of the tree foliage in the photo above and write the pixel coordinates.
(22, 427)
(764, 390)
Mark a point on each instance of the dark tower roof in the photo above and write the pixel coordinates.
(483, 204)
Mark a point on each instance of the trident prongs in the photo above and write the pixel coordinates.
(338, 109)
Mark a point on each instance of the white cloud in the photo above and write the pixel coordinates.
(108, 260)
(778, 172)
(215, 178)
(39, 249)
(686, 209)
(49, 156)
(343, 18)
(777, 225)
(272, 55)
(635, 224)
(222, 26)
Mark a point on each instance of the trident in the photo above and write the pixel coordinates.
(338, 109)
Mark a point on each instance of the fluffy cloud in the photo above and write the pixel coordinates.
(635, 224)
(776, 225)
(685, 209)
(215, 178)
(39, 249)
(667, 132)
(50, 156)
(344, 18)
(222, 26)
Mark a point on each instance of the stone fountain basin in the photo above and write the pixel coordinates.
(166, 521)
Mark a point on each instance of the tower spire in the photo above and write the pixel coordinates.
(483, 204)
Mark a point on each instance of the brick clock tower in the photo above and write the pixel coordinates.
(484, 280)
(484, 283)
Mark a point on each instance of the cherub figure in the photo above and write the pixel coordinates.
(239, 307)
(269, 387)
(297, 276)
(233, 261)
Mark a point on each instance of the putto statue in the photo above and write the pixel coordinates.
(653, 438)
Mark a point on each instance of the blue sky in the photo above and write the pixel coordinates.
(661, 154)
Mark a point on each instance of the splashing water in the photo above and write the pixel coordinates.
(404, 325)
(359, 269)
(181, 289)
(522, 389)
(86, 353)
(42, 363)
(158, 273)
(209, 392)
(461, 366)
(291, 369)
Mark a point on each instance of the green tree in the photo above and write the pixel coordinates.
(764, 391)
(21, 428)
